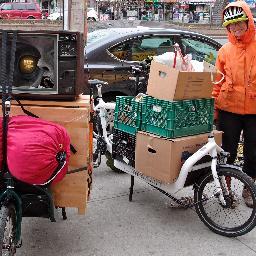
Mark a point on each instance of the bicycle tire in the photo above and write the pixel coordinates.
(7, 230)
(226, 214)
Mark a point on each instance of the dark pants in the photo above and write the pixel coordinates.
(232, 125)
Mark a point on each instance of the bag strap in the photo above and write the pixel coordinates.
(176, 51)
(25, 111)
(28, 113)
(3, 85)
(12, 62)
(61, 158)
(7, 83)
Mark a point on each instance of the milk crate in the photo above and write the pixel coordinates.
(128, 114)
(123, 148)
(173, 119)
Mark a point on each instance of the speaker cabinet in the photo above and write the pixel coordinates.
(49, 65)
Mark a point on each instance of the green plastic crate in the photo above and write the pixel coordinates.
(173, 119)
(128, 114)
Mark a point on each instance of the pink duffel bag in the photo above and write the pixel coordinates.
(38, 151)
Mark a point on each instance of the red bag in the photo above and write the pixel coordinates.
(35, 148)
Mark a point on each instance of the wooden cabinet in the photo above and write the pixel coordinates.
(73, 190)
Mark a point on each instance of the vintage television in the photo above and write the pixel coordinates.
(49, 65)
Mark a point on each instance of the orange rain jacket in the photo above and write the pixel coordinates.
(237, 61)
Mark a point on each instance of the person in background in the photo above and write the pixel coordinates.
(235, 96)
(191, 17)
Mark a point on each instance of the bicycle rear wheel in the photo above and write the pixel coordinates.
(233, 218)
(7, 230)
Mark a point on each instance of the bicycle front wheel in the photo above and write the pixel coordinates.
(230, 217)
(7, 230)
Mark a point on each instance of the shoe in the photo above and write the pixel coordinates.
(246, 194)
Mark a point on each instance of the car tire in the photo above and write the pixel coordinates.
(31, 18)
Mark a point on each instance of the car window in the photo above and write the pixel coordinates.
(6, 7)
(18, 6)
(139, 49)
(199, 50)
(31, 7)
(121, 51)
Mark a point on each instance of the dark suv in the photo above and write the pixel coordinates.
(20, 11)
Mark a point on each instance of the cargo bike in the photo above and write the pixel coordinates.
(217, 186)
(20, 199)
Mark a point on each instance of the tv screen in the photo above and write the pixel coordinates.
(36, 63)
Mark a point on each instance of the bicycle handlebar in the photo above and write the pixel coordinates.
(122, 68)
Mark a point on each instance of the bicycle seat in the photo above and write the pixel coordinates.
(95, 82)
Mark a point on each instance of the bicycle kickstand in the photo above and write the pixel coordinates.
(131, 188)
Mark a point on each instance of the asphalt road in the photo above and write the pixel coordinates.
(113, 226)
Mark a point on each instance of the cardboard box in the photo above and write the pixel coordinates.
(161, 158)
(170, 84)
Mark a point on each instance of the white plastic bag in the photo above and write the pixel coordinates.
(175, 59)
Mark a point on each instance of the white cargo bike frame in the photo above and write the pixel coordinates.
(211, 148)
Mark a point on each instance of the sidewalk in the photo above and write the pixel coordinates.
(113, 226)
(206, 29)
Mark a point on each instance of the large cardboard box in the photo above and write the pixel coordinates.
(161, 158)
(170, 84)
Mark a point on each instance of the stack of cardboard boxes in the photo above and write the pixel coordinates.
(178, 105)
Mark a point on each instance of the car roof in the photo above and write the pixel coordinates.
(114, 34)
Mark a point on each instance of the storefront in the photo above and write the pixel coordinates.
(159, 9)
(193, 10)
(201, 10)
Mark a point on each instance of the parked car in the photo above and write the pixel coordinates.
(20, 11)
(109, 48)
(91, 15)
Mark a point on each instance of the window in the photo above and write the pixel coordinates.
(138, 49)
(200, 50)
(31, 7)
(18, 6)
(121, 51)
(6, 7)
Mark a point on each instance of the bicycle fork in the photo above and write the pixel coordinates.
(219, 188)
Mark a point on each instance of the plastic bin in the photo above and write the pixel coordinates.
(123, 148)
(128, 114)
(173, 119)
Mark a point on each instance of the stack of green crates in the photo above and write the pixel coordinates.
(169, 119)
(128, 119)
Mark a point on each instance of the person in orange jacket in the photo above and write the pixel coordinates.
(235, 96)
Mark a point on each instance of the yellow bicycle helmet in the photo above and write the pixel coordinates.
(234, 14)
